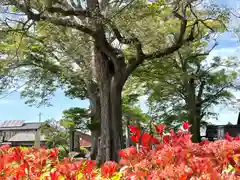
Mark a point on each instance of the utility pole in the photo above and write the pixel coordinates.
(38, 135)
(40, 117)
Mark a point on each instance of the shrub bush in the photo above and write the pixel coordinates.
(166, 156)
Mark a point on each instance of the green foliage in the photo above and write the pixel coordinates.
(83, 150)
(132, 112)
(166, 82)
(76, 118)
(43, 56)
(41, 62)
(55, 135)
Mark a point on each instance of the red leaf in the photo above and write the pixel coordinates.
(155, 141)
(146, 139)
(186, 126)
(136, 131)
(135, 139)
(54, 175)
(159, 128)
(166, 139)
(54, 153)
(237, 138)
(126, 153)
(183, 177)
(108, 169)
(228, 137)
(204, 142)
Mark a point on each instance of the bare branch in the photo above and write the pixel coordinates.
(200, 20)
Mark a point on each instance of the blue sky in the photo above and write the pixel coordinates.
(13, 107)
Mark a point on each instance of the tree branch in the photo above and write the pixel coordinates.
(140, 57)
(200, 91)
(204, 53)
(68, 23)
(57, 21)
(70, 12)
(119, 37)
(214, 96)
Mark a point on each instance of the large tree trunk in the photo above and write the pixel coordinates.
(95, 126)
(116, 115)
(195, 129)
(104, 80)
(110, 87)
(198, 121)
(95, 122)
(94, 148)
(193, 112)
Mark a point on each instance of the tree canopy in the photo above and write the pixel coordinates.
(90, 49)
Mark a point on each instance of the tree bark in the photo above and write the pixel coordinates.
(71, 139)
(116, 115)
(104, 80)
(95, 109)
(110, 87)
(192, 109)
(94, 148)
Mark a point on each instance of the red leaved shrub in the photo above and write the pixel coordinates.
(167, 156)
(174, 156)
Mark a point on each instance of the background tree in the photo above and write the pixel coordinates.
(75, 119)
(42, 72)
(187, 86)
(54, 134)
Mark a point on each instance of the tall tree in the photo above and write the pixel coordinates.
(113, 67)
(70, 70)
(188, 85)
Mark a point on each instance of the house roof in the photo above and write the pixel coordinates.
(12, 123)
(25, 137)
(24, 126)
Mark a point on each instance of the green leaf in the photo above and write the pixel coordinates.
(36, 47)
(13, 9)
